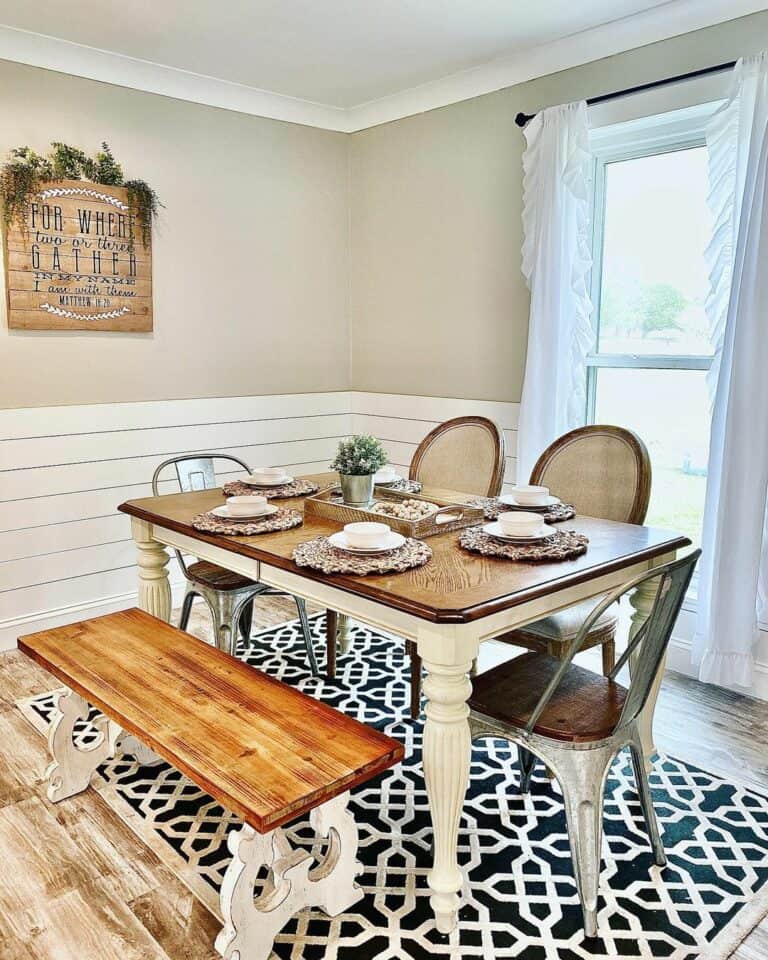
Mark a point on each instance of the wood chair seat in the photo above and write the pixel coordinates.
(217, 578)
(585, 706)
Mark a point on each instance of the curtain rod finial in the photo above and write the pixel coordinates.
(522, 118)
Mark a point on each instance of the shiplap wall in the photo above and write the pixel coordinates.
(65, 552)
(401, 422)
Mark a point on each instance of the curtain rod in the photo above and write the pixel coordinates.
(522, 118)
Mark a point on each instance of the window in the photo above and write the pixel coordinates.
(652, 351)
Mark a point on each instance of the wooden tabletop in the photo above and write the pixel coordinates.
(455, 586)
(264, 750)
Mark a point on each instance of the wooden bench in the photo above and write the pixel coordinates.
(264, 750)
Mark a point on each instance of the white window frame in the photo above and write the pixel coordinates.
(649, 136)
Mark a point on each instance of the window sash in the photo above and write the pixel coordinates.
(650, 361)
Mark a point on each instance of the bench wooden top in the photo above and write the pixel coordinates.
(455, 586)
(264, 750)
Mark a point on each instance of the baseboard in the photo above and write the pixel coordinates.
(679, 657)
(11, 630)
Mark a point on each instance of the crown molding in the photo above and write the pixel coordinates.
(63, 56)
(671, 19)
(668, 20)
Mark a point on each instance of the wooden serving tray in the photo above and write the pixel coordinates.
(449, 516)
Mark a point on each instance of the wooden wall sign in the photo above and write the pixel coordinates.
(80, 264)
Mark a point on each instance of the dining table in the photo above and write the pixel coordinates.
(447, 607)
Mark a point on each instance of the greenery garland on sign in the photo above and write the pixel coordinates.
(23, 174)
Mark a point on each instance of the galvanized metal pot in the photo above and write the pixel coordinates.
(357, 490)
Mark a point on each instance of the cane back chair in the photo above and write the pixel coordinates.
(229, 595)
(577, 721)
(604, 472)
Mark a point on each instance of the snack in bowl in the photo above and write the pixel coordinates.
(405, 509)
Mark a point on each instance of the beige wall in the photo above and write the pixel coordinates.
(438, 304)
(259, 287)
(250, 258)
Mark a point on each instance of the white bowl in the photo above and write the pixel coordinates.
(385, 475)
(518, 523)
(246, 506)
(367, 534)
(529, 495)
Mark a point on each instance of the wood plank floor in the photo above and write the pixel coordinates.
(76, 884)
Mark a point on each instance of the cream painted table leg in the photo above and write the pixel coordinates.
(447, 755)
(641, 601)
(343, 633)
(154, 589)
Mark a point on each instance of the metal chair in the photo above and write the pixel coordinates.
(229, 595)
(577, 721)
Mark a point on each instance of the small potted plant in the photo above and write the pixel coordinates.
(357, 460)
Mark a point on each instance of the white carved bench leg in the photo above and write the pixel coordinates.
(72, 766)
(252, 923)
(340, 863)
(144, 755)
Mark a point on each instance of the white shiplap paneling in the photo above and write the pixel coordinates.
(65, 553)
(401, 422)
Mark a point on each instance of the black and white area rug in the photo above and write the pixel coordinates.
(520, 897)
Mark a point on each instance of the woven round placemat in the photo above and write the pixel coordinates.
(562, 545)
(492, 507)
(320, 555)
(297, 488)
(282, 520)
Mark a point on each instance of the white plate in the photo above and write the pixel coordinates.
(494, 530)
(510, 501)
(261, 482)
(224, 514)
(392, 542)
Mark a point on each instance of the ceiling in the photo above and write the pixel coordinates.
(336, 52)
(337, 64)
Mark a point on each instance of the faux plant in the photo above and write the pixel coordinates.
(23, 174)
(359, 456)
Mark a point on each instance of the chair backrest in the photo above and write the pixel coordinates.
(464, 454)
(650, 640)
(603, 471)
(195, 471)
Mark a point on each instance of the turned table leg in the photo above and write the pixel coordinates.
(447, 755)
(154, 589)
(344, 633)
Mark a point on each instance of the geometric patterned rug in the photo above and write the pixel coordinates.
(520, 896)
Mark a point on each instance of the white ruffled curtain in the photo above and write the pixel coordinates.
(733, 581)
(556, 262)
